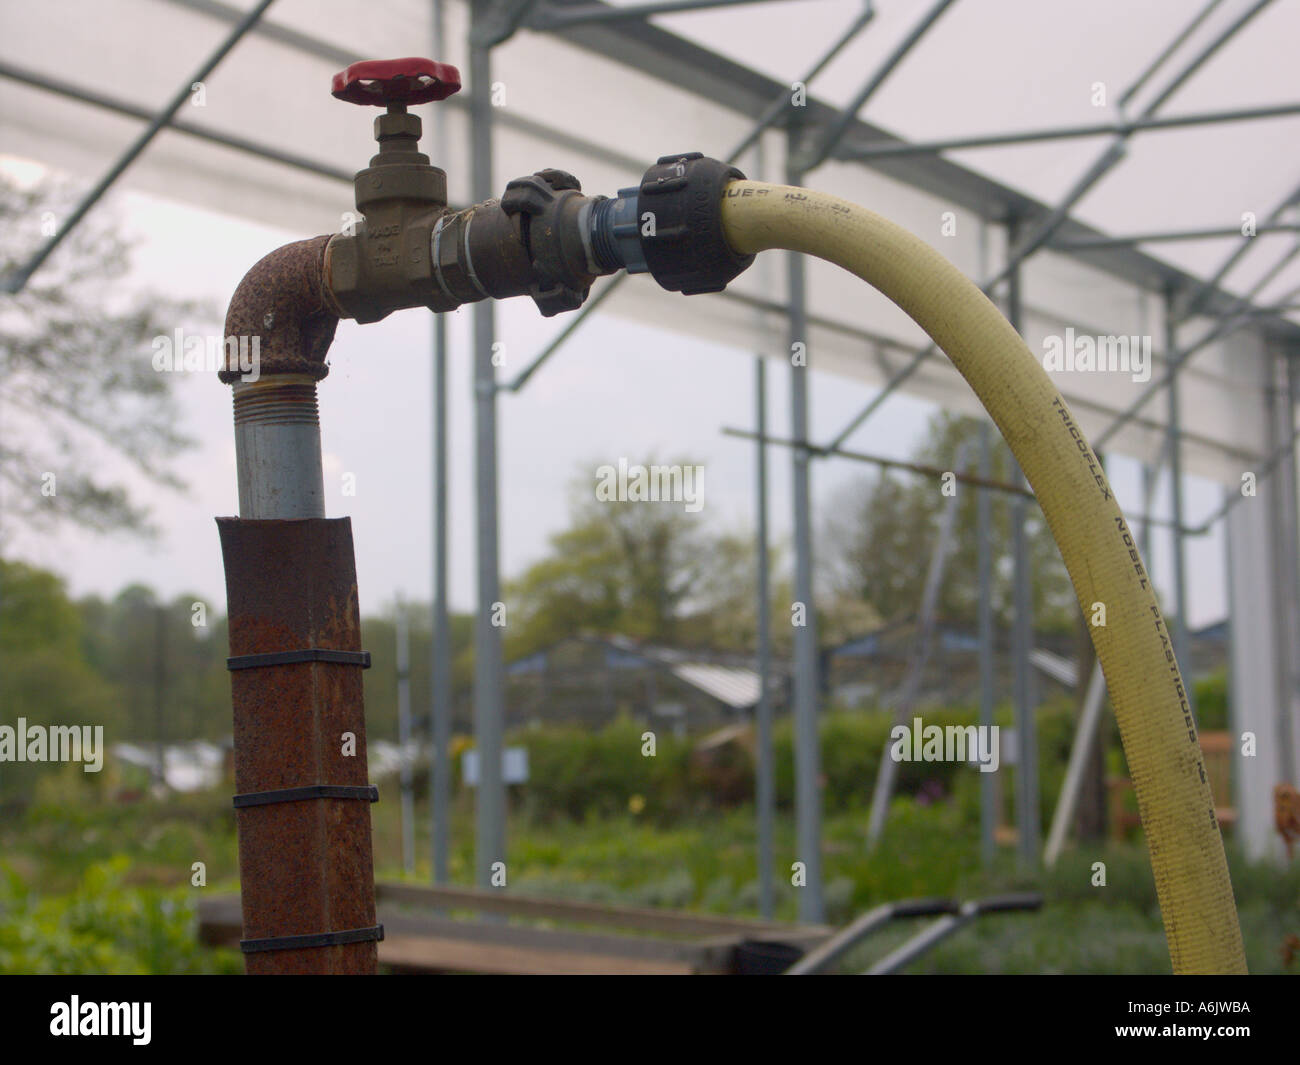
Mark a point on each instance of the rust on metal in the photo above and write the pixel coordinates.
(305, 867)
(283, 303)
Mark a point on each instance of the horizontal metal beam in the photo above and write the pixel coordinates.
(922, 469)
(1204, 287)
(1166, 53)
(784, 99)
(562, 18)
(1236, 497)
(655, 51)
(19, 276)
(813, 157)
(1177, 360)
(1169, 236)
(62, 87)
(880, 460)
(1095, 129)
(555, 137)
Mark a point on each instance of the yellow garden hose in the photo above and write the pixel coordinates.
(1146, 688)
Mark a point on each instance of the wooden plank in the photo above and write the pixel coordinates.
(430, 954)
(639, 918)
(710, 955)
(220, 924)
(492, 946)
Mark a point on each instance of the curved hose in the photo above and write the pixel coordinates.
(1134, 647)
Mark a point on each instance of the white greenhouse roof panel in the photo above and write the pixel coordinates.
(606, 110)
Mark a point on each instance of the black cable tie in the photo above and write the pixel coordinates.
(368, 792)
(311, 654)
(317, 939)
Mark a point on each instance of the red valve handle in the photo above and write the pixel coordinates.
(396, 81)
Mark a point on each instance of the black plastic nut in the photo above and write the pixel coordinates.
(540, 200)
(682, 241)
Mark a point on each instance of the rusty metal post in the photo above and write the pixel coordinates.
(306, 866)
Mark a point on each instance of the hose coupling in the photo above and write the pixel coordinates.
(670, 226)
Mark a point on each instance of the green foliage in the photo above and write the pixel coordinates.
(103, 926)
(881, 540)
(580, 773)
(94, 887)
(1211, 695)
(640, 569)
(379, 637)
(44, 676)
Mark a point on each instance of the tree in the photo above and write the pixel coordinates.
(880, 547)
(634, 568)
(76, 371)
(44, 676)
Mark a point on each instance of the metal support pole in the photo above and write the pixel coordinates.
(159, 685)
(1182, 650)
(807, 745)
(440, 705)
(18, 278)
(489, 709)
(1148, 491)
(924, 639)
(765, 782)
(1291, 552)
(1022, 632)
(1021, 645)
(440, 764)
(1281, 396)
(984, 609)
(1085, 738)
(406, 767)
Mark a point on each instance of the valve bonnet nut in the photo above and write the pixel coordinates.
(680, 208)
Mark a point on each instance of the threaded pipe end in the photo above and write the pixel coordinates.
(288, 400)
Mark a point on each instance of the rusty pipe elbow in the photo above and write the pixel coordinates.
(285, 311)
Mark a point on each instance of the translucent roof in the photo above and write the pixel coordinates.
(604, 100)
(1017, 65)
